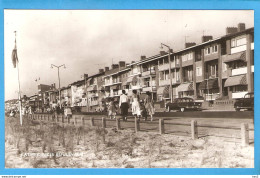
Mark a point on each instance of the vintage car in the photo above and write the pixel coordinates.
(183, 104)
(245, 103)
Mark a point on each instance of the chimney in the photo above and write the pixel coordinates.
(122, 64)
(230, 30)
(241, 27)
(171, 50)
(101, 70)
(85, 76)
(189, 44)
(54, 86)
(114, 66)
(206, 38)
(163, 53)
(132, 62)
(106, 69)
(143, 58)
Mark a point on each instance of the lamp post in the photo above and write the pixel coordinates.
(170, 73)
(58, 67)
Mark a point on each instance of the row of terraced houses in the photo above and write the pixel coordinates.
(219, 69)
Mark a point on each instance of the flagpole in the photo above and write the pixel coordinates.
(19, 96)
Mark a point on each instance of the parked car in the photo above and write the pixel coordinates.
(182, 104)
(245, 103)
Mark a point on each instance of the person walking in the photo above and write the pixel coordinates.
(123, 105)
(149, 104)
(111, 108)
(136, 111)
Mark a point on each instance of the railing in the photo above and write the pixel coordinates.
(187, 79)
(148, 72)
(82, 120)
(166, 66)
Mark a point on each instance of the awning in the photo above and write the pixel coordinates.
(114, 87)
(208, 84)
(236, 80)
(235, 56)
(92, 88)
(160, 90)
(166, 92)
(185, 87)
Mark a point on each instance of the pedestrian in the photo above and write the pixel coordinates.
(111, 108)
(123, 105)
(136, 111)
(67, 110)
(149, 104)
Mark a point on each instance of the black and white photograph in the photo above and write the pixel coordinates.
(129, 88)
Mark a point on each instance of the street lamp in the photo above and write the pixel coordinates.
(170, 73)
(58, 67)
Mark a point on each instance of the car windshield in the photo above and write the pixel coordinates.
(249, 95)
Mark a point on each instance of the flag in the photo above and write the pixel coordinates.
(14, 56)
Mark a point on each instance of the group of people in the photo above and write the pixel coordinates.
(140, 108)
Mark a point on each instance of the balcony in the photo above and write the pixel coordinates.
(167, 82)
(211, 56)
(252, 46)
(149, 72)
(187, 79)
(163, 67)
(239, 94)
(93, 103)
(238, 49)
(136, 87)
(240, 71)
(92, 95)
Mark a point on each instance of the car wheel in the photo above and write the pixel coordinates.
(168, 109)
(182, 109)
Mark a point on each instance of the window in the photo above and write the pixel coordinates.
(233, 43)
(239, 88)
(239, 41)
(198, 71)
(184, 58)
(224, 66)
(166, 75)
(177, 75)
(190, 56)
(207, 51)
(177, 61)
(215, 49)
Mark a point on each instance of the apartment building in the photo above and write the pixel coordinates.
(220, 68)
(116, 80)
(215, 68)
(95, 90)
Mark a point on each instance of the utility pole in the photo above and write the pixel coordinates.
(170, 69)
(58, 67)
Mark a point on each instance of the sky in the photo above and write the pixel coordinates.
(86, 40)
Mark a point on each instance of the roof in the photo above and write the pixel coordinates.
(157, 56)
